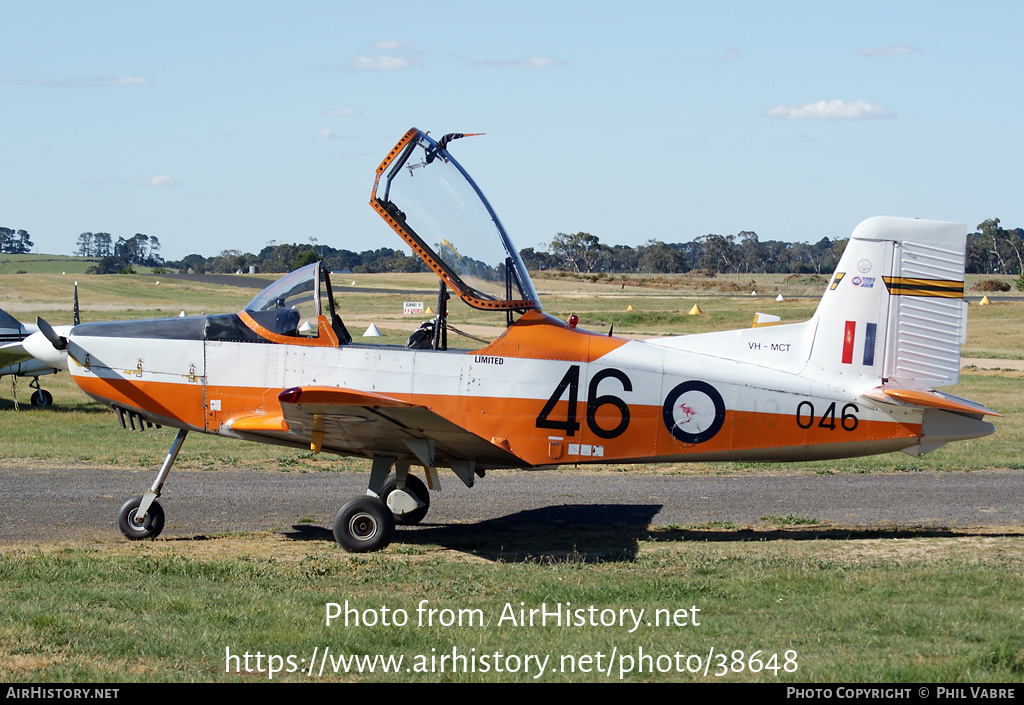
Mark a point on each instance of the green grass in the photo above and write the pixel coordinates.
(852, 611)
(45, 264)
(789, 520)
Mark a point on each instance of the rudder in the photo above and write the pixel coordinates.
(894, 308)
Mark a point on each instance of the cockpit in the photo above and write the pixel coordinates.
(433, 204)
(300, 305)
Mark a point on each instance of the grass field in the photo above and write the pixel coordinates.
(830, 604)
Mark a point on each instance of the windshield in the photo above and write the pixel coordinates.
(430, 200)
(297, 305)
(290, 305)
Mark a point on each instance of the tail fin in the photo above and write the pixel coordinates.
(894, 309)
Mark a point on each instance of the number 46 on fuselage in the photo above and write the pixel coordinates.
(858, 378)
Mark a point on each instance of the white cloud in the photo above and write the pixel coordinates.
(534, 62)
(384, 62)
(344, 112)
(160, 180)
(391, 46)
(831, 110)
(126, 81)
(731, 54)
(891, 50)
(72, 82)
(325, 134)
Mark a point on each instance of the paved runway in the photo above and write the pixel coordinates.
(47, 504)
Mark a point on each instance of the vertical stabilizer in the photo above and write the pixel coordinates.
(894, 309)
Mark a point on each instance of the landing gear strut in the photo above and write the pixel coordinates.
(142, 517)
(40, 397)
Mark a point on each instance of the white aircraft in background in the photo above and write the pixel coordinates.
(856, 379)
(18, 362)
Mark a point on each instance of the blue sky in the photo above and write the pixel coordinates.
(228, 125)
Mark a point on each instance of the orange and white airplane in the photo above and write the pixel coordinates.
(858, 378)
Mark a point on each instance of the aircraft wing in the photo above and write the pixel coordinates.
(12, 354)
(354, 422)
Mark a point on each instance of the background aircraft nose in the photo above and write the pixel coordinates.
(41, 349)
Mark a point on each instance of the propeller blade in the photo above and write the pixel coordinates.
(56, 340)
(77, 318)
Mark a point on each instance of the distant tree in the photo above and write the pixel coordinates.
(578, 252)
(197, 263)
(657, 257)
(102, 245)
(153, 258)
(132, 250)
(85, 245)
(995, 250)
(342, 260)
(305, 257)
(15, 242)
(537, 261)
(716, 252)
(110, 264)
(23, 245)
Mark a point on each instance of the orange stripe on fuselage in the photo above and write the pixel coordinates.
(181, 402)
(539, 336)
(646, 435)
(743, 434)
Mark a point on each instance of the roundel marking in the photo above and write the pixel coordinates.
(694, 412)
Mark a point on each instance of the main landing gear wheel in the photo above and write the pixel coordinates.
(364, 524)
(150, 527)
(414, 486)
(41, 398)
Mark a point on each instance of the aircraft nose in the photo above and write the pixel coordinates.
(41, 349)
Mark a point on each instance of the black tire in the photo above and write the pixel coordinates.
(149, 529)
(41, 398)
(413, 485)
(363, 525)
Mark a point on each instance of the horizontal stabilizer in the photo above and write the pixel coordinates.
(930, 399)
(762, 320)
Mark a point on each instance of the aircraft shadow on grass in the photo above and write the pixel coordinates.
(601, 533)
(591, 533)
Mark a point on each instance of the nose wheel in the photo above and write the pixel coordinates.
(145, 526)
(142, 517)
(41, 398)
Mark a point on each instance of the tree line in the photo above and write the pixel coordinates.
(991, 249)
(14, 242)
(120, 256)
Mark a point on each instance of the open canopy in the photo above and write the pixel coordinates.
(434, 205)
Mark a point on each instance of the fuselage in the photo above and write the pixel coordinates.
(541, 394)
